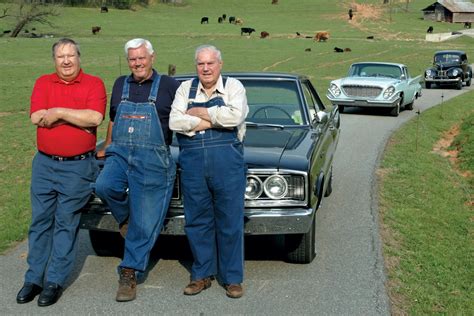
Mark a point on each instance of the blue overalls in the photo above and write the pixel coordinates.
(139, 160)
(213, 181)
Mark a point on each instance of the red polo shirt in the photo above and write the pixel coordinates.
(84, 92)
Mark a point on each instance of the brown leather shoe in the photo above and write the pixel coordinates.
(197, 286)
(234, 290)
(127, 290)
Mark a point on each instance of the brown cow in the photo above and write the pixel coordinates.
(321, 36)
(239, 21)
(96, 29)
(264, 34)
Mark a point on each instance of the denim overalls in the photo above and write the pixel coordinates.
(139, 160)
(213, 182)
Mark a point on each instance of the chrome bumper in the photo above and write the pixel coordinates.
(364, 103)
(256, 221)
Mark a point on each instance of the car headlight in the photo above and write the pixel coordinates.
(275, 187)
(455, 73)
(335, 90)
(429, 73)
(254, 188)
(389, 92)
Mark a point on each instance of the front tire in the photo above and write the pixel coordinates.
(341, 108)
(396, 110)
(107, 244)
(428, 85)
(329, 186)
(468, 82)
(301, 248)
(459, 85)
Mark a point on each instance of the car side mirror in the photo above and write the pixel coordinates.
(403, 77)
(320, 117)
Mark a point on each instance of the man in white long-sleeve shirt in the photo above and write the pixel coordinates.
(208, 114)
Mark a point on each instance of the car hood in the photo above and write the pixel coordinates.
(278, 149)
(367, 81)
(446, 65)
(270, 148)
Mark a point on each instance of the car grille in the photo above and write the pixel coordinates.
(361, 91)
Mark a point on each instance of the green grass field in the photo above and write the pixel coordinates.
(176, 31)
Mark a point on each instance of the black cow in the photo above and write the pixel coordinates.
(224, 16)
(429, 30)
(350, 14)
(231, 19)
(370, 37)
(104, 9)
(96, 29)
(219, 19)
(204, 19)
(338, 50)
(248, 30)
(467, 25)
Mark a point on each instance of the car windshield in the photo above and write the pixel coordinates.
(375, 70)
(447, 58)
(274, 102)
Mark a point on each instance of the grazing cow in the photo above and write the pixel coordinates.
(370, 37)
(321, 36)
(467, 25)
(171, 70)
(347, 49)
(350, 14)
(338, 50)
(204, 19)
(429, 30)
(104, 9)
(232, 19)
(219, 19)
(224, 16)
(96, 29)
(248, 30)
(239, 21)
(298, 34)
(307, 50)
(264, 34)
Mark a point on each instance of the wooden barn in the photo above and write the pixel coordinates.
(452, 11)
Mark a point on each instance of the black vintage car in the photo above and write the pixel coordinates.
(450, 67)
(289, 149)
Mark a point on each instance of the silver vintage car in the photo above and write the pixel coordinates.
(376, 84)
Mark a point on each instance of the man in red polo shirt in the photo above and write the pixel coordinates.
(66, 106)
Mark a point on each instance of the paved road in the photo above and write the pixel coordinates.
(346, 278)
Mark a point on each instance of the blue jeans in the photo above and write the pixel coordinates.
(59, 189)
(149, 174)
(213, 183)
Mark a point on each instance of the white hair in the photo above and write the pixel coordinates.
(208, 47)
(138, 42)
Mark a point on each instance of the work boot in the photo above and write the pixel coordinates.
(197, 286)
(127, 290)
(234, 290)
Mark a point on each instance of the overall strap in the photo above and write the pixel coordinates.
(154, 88)
(126, 88)
(193, 89)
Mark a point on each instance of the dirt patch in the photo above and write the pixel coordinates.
(442, 148)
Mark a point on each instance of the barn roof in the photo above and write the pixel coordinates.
(454, 6)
